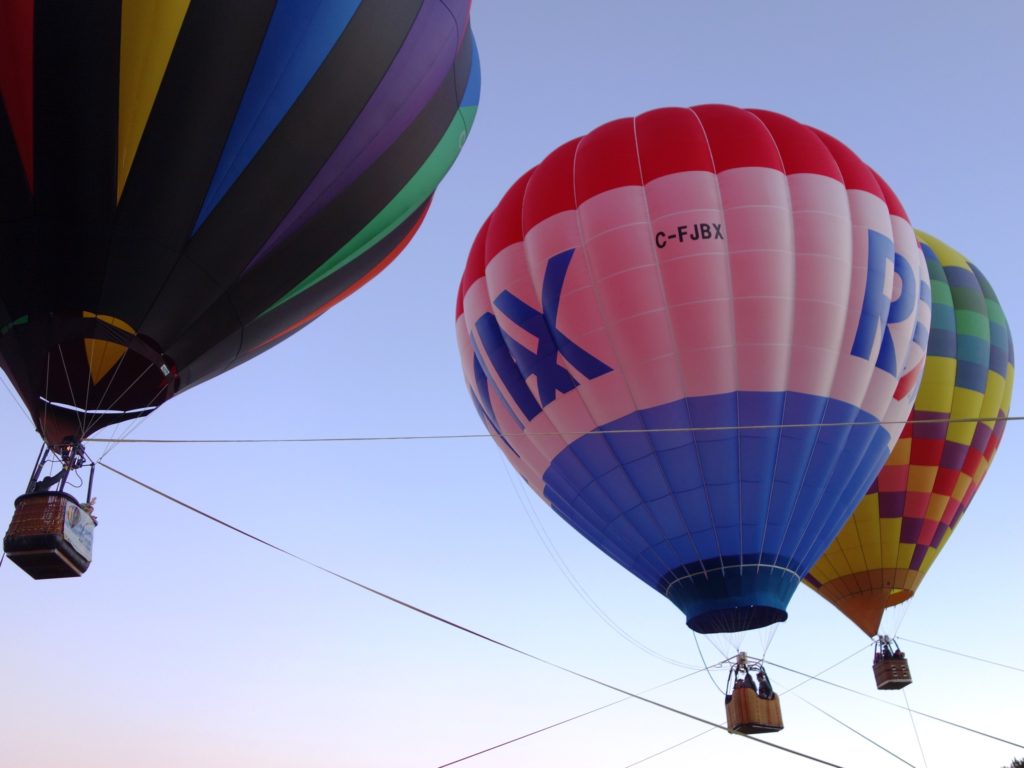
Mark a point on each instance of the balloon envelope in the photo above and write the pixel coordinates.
(883, 552)
(645, 307)
(184, 184)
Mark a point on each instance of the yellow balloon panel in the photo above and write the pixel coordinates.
(907, 516)
(149, 29)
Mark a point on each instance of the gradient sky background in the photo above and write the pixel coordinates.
(187, 644)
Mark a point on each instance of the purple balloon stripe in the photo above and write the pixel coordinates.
(982, 433)
(918, 559)
(459, 9)
(890, 505)
(406, 88)
(997, 437)
(953, 455)
(962, 508)
(936, 430)
(910, 531)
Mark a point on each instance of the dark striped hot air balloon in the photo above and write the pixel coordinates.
(184, 184)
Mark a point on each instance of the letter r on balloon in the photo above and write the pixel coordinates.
(873, 313)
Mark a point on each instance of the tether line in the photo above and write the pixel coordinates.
(533, 435)
(451, 623)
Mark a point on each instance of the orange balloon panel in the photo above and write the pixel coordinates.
(894, 535)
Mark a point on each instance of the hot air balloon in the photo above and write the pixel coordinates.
(921, 493)
(185, 184)
(683, 330)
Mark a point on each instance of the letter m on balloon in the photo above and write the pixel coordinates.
(514, 363)
(877, 313)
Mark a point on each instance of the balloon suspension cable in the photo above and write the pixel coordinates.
(893, 616)
(570, 577)
(707, 667)
(745, 671)
(746, 661)
(37, 468)
(80, 412)
(17, 400)
(70, 456)
(886, 647)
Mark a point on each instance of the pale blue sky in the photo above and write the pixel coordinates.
(188, 645)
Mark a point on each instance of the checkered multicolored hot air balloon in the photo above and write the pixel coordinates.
(185, 183)
(683, 330)
(881, 555)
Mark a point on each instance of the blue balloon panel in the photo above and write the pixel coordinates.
(718, 504)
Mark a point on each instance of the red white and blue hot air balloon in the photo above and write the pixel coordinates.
(685, 330)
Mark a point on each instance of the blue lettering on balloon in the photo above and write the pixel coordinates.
(514, 363)
(483, 403)
(881, 251)
(480, 376)
(497, 350)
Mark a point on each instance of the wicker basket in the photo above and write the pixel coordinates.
(746, 712)
(892, 674)
(50, 536)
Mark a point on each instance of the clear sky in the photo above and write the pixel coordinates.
(187, 644)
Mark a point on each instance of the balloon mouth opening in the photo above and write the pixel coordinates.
(732, 594)
(736, 619)
(864, 596)
(56, 422)
(85, 412)
(899, 596)
(84, 371)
